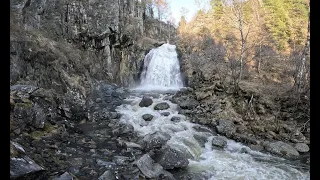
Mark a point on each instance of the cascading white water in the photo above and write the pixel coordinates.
(228, 163)
(162, 72)
(161, 69)
(215, 164)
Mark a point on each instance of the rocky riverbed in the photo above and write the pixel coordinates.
(110, 138)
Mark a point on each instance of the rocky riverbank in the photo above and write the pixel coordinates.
(264, 124)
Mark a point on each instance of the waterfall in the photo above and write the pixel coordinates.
(161, 69)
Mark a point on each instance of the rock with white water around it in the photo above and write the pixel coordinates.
(165, 113)
(219, 141)
(145, 102)
(170, 158)
(301, 147)
(147, 117)
(282, 149)
(161, 106)
(155, 140)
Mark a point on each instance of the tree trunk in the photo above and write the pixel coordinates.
(300, 78)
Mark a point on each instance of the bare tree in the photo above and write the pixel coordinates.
(301, 67)
(184, 11)
(238, 21)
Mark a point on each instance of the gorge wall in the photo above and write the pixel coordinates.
(73, 44)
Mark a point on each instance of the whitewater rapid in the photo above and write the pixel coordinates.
(162, 72)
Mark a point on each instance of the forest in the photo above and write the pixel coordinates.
(265, 42)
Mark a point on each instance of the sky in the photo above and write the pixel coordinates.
(176, 6)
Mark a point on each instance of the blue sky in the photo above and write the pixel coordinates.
(176, 6)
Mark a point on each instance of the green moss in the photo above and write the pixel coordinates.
(47, 129)
(26, 104)
(13, 152)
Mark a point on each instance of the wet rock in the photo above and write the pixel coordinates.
(175, 119)
(148, 167)
(107, 175)
(145, 102)
(161, 106)
(123, 129)
(23, 166)
(170, 158)
(189, 104)
(282, 149)
(219, 141)
(199, 128)
(226, 127)
(147, 117)
(165, 113)
(301, 147)
(201, 138)
(256, 147)
(65, 176)
(155, 140)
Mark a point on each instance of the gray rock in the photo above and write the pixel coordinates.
(256, 147)
(39, 116)
(155, 140)
(301, 147)
(148, 167)
(175, 119)
(107, 175)
(170, 158)
(165, 113)
(282, 149)
(23, 166)
(22, 91)
(121, 160)
(226, 127)
(189, 104)
(161, 106)
(147, 117)
(202, 138)
(65, 176)
(219, 141)
(145, 102)
(123, 129)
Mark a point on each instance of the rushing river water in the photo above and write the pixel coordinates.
(235, 161)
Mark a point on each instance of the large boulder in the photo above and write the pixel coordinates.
(170, 158)
(20, 167)
(145, 102)
(148, 167)
(155, 140)
(219, 141)
(161, 106)
(226, 127)
(189, 104)
(282, 149)
(301, 147)
(147, 117)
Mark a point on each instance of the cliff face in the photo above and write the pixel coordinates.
(79, 42)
